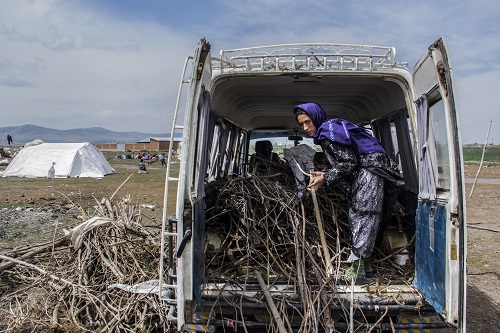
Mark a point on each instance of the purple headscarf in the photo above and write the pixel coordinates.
(339, 130)
(316, 112)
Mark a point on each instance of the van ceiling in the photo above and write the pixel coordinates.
(267, 101)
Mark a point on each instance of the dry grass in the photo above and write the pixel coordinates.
(56, 287)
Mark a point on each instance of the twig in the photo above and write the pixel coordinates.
(40, 270)
(401, 249)
(11, 263)
(270, 302)
(479, 228)
(351, 308)
(482, 159)
(326, 252)
(379, 320)
(119, 187)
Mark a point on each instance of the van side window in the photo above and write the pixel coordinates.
(396, 137)
(396, 156)
(226, 150)
(438, 119)
(214, 153)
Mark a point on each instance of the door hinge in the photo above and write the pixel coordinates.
(454, 219)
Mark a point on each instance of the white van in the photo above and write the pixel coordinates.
(231, 269)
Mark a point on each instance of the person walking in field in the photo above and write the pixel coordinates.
(162, 160)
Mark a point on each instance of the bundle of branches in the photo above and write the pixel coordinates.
(258, 224)
(75, 283)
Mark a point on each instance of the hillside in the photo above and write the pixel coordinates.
(27, 133)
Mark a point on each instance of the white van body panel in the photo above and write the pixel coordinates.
(432, 76)
(255, 89)
(200, 80)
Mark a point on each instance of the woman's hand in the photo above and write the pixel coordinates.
(317, 180)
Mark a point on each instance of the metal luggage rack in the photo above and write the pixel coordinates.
(307, 57)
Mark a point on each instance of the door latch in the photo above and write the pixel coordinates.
(187, 237)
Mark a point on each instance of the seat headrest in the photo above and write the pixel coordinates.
(263, 148)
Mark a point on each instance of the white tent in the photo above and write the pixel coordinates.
(71, 160)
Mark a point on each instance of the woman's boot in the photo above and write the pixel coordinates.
(357, 269)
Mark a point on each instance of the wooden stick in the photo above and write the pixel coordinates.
(379, 320)
(40, 270)
(482, 159)
(119, 187)
(7, 263)
(324, 300)
(328, 264)
(351, 307)
(270, 302)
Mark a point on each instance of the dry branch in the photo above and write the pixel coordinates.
(258, 224)
(253, 224)
(482, 160)
(77, 294)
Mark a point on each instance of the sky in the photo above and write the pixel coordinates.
(68, 64)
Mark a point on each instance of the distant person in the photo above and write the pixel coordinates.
(142, 167)
(51, 174)
(162, 160)
(9, 139)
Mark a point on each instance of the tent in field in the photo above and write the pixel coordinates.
(71, 160)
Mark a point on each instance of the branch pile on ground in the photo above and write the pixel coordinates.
(74, 284)
(257, 225)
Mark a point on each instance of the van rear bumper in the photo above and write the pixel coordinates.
(230, 306)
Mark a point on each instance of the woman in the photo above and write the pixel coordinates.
(359, 164)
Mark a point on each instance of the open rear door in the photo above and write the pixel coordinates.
(440, 253)
(190, 210)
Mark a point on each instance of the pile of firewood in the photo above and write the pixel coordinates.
(82, 281)
(93, 278)
(258, 226)
(259, 223)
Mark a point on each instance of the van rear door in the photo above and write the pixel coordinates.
(440, 248)
(190, 210)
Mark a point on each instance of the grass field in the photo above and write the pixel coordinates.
(473, 154)
(22, 195)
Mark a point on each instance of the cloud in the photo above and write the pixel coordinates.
(11, 34)
(100, 43)
(17, 74)
(58, 41)
(71, 60)
(477, 105)
(82, 62)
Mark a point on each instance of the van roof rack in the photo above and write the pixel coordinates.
(307, 57)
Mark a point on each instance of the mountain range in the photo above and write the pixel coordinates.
(26, 133)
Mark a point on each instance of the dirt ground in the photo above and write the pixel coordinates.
(483, 247)
(38, 210)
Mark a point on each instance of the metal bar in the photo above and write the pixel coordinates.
(167, 178)
(337, 325)
(334, 308)
(171, 222)
(326, 54)
(315, 45)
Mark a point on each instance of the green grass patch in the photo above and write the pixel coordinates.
(473, 154)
